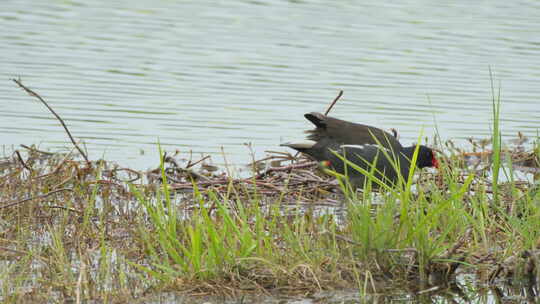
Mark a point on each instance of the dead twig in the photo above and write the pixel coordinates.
(112, 174)
(3, 206)
(333, 102)
(32, 93)
(57, 169)
(66, 208)
(22, 161)
(38, 151)
(286, 168)
(200, 160)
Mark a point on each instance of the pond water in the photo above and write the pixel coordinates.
(201, 75)
(458, 292)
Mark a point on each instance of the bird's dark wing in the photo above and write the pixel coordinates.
(345, 132)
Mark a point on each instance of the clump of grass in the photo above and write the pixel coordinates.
(404, 220)
(226, 240)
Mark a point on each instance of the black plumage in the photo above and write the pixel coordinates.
(364, 146)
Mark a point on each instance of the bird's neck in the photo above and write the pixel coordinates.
(408, 152)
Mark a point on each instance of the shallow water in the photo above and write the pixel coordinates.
(198, 75)
(465, 290)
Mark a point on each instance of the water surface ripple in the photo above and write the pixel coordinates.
(198, 75)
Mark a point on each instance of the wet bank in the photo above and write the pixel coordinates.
(74, 230)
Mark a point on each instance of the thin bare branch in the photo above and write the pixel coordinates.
(333, 102)
(3, 206)
(22, 161)
(32, 93)
(200, 160)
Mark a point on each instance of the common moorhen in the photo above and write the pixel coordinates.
(363, 146)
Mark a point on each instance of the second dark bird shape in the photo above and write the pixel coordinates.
(363, 146)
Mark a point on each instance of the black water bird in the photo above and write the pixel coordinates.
(367, 147)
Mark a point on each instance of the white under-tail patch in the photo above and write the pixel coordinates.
(308, 144)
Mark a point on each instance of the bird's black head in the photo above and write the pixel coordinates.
(426, 158)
